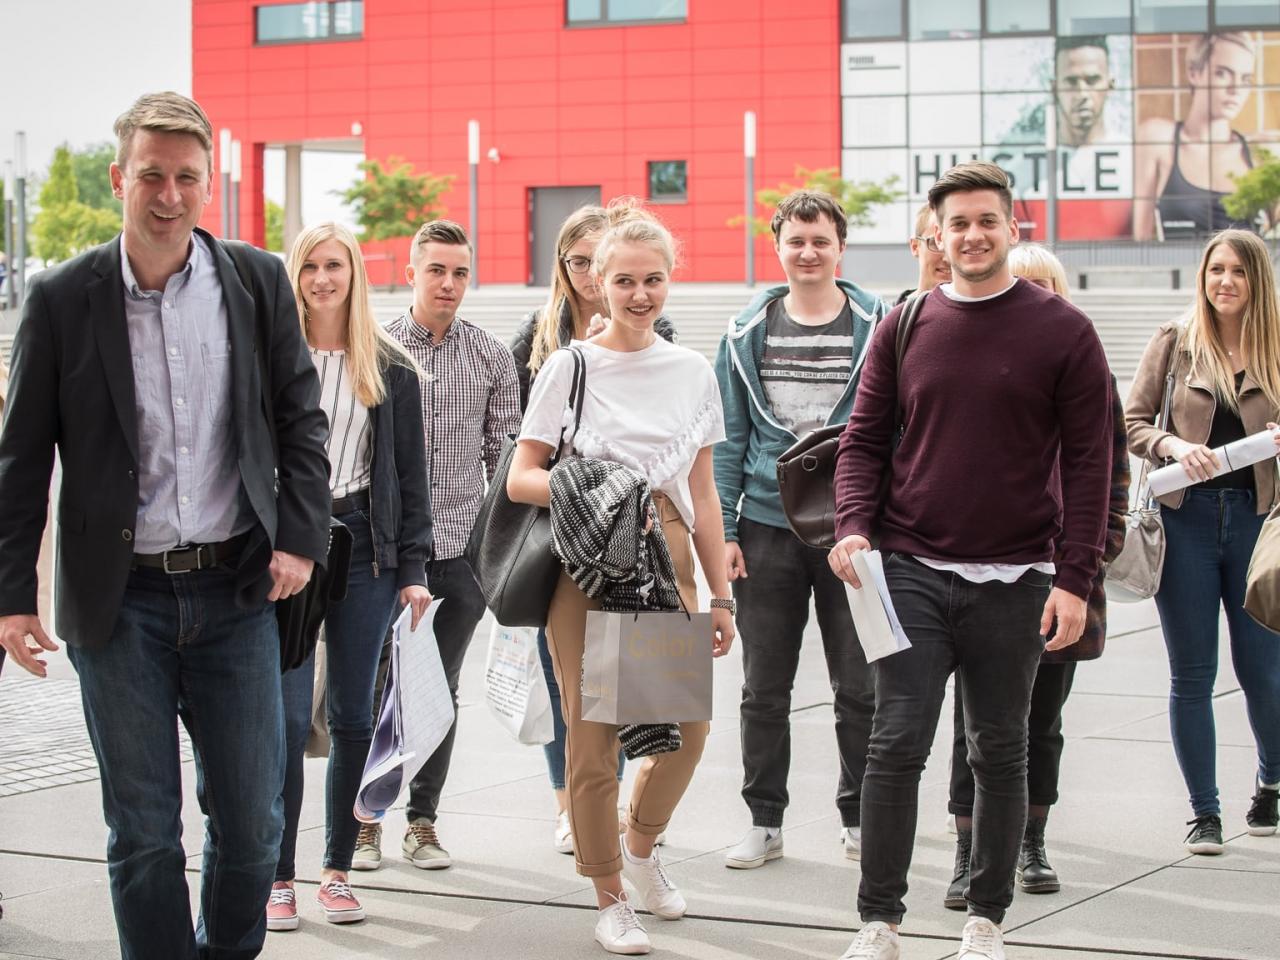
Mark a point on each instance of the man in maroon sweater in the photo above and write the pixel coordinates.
(1000, 382)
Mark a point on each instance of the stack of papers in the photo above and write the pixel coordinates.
(415, 716)
(879, 630)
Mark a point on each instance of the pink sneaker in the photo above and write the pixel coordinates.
(282, 908)
(339, 903)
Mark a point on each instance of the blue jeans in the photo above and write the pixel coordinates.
(554, 751)
(1209, 541)
(182, 648)
(990, 634)
(353, 631)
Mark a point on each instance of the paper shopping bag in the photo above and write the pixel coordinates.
(514, 688)
(648, 667)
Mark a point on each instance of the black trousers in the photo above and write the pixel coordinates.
(1044, 741)
(773, 608)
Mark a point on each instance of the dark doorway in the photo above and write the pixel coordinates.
(548, 208)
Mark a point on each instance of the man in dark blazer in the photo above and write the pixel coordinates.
(177, 528)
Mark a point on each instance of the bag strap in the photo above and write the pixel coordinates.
(906, 323)
(577, 391)
(1142, 494)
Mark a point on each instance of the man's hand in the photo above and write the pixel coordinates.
(14, 631)
(1070, 613)
(841, 558)
(417, 597)
(289, 573)
(734, 563)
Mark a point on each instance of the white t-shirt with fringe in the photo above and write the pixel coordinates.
(651, 410)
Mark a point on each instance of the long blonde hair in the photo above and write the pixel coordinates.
(584, 222)
(369, 346)
(1035, 262)
(1260, 326)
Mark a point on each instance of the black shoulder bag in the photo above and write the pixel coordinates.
(509, 549)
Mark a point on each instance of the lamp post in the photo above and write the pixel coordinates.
(1051, 170)
(18, 269)
(235, 189)
(749, 158)
(473, 161)
(10, 298)
(224, 165)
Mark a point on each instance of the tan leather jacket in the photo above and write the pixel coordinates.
(1191, 411)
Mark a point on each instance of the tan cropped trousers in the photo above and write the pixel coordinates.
(591, 749)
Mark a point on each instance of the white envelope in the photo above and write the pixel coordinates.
(879, 630)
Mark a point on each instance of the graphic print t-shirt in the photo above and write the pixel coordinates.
(805, 369)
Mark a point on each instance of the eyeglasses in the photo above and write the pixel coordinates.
(931, 244)
(577, 264)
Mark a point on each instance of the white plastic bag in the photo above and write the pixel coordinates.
(514, 687)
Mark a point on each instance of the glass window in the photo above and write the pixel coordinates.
(872, 19)
(625, 11)
(1017, 16)
(945, 19)
(1079, 17)
(668, 181)
(1246, 13)
(1170, 16)
(301, 22)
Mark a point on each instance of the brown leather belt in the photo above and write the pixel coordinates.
(356, 501)
(192, 556)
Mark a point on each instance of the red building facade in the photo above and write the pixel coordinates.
(564, 102)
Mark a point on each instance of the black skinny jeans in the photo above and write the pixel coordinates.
(773, 608)
(1044, 741)
(989, 632)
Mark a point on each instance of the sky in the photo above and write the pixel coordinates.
(81, 63)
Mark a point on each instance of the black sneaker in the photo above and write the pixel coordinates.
(1263, 816)
(1205, 835)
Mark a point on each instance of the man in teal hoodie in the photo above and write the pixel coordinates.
(788, 364)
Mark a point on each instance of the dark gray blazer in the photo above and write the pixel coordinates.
(72, 388)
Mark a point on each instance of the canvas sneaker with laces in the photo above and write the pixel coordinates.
(339, 903)
(1205, 835)
(282, 907)
(658, 894)
(981, 940)
(875, 941)
(368, 854)
(421, 846)
(758, 847)
(851, 840)
(1264, 813)
(618, 929)
(563, 840)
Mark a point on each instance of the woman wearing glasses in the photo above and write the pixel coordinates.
(575, 309)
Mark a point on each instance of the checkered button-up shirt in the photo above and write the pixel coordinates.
(470, 403)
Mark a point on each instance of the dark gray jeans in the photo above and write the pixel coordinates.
(990, 633)
(773, 608)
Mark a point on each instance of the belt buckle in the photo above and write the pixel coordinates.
(164, 560)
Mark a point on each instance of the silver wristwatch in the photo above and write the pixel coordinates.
(731, 605)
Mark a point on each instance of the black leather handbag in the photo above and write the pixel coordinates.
(509, 549)
(807, 469)
(299, 617)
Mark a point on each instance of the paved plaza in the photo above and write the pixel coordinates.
(1129, 888)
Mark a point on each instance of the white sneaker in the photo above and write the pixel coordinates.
(851, 837)
(981, 940)
(564, 833)
(755, 849)
(618, 929)
(875, 941)
(658, 894)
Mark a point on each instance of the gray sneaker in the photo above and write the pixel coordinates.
(754, 850)
(421, 846)
(368, 855)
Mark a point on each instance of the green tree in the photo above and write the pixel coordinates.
(393, 201)
(1257, 191)
(64, 226)
(857, 197)
(274, 214)
(94, 182)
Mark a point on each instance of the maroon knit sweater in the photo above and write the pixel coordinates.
(991, 392)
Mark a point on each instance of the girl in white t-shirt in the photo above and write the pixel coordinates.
(654, 407)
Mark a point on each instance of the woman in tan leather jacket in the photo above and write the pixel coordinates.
(1225, 363)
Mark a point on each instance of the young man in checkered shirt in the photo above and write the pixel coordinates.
(470, 403)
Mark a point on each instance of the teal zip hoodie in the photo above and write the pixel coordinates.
(746, 462)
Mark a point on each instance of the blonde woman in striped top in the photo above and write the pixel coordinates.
(378, 480)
